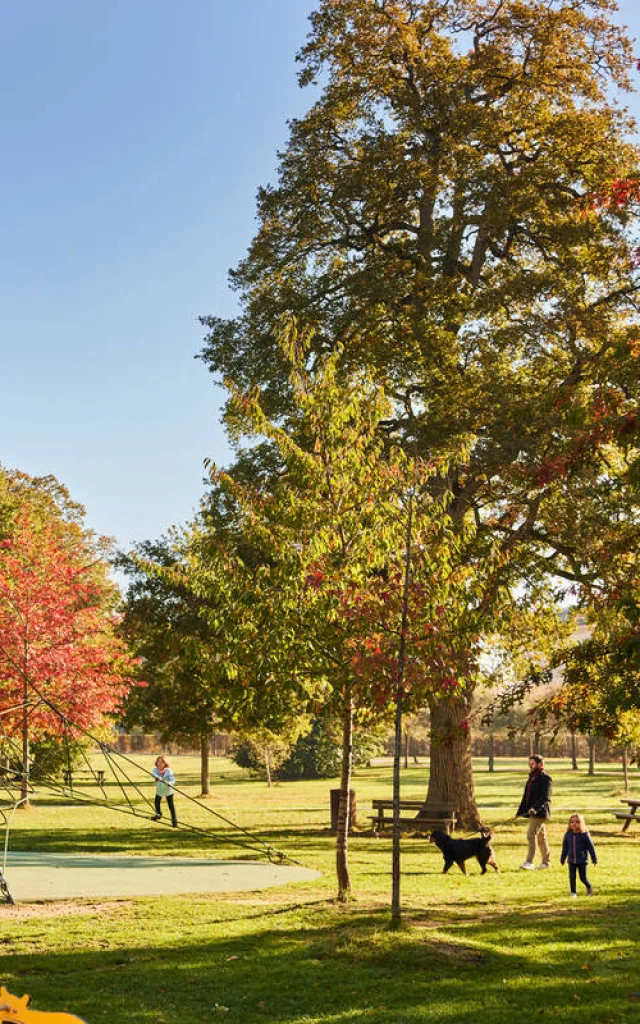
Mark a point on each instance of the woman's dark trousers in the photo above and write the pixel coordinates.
(172, 810)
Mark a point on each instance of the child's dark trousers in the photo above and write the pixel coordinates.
(581, 869)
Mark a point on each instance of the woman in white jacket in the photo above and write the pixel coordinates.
(165, 781)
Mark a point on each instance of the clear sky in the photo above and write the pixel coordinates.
(135, 135)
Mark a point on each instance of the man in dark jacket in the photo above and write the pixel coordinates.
(536, 805)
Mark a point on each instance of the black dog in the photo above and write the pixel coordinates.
(456, 851)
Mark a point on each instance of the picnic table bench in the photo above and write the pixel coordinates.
(96, 776)
(631, 814)
(381, 820)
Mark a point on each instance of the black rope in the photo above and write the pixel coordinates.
(67, 749)
(15, 748)
(108, 750)
(255, 844)
(67, 790)
(94, 774)
(181, 793)
(132, 811)
(15, 707)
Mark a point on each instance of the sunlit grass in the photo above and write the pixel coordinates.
(508, 945)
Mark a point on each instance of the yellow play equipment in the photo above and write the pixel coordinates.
(15, 1010)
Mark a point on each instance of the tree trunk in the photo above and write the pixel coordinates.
(451, 771)
(574, 753)
(406, 749)
(625, 767)
(492, 752)
(26, 755)
(205, 781)
(395, 856)
(344, 811)
(267, 765)
(537, 743)
(395, 862)
(592, 755)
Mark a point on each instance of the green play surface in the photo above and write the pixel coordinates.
(62, 876)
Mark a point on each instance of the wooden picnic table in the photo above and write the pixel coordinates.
(381, 820)
(97, 776)
(631, 814)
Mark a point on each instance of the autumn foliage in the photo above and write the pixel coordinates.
(57, 642)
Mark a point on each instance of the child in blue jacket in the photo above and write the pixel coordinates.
(577, 848)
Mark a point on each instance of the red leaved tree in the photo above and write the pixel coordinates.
(57, 641)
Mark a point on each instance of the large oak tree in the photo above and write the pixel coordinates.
(428, 213)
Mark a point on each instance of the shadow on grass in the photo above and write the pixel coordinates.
(160, 840)
(336, 964)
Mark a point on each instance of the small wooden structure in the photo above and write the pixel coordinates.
(87, 773)
(383, 818)
(631, 814)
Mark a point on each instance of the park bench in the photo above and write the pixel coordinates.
(383, 818)
(630, 815)
(87, 773)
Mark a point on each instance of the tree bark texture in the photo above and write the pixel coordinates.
(344, 812)
(592, 755)
(451, 772)
(26, 754)
(395, 857)
(205, 781)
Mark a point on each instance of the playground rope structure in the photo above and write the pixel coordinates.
(131, 798)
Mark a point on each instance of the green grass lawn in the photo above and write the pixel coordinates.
(499, 948)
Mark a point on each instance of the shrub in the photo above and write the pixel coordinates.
(318, 755)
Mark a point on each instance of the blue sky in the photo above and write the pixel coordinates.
(135, 135)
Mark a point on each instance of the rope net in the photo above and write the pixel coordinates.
(76, 778)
